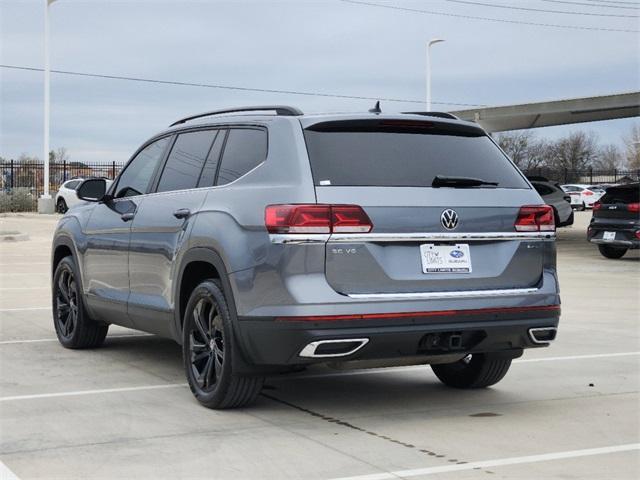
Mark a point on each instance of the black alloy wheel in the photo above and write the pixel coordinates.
(206, 344)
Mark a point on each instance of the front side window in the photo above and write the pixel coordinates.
(246, 148)
(186, 160)
(136, 177)
(73, 184)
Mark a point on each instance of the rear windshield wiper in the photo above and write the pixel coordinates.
(460, 182)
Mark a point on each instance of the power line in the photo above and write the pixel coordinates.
(488, 19)
(610, 1)
(540, 10)
(231, 87)
(594, 5)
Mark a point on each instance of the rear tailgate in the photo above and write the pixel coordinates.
(388, 170)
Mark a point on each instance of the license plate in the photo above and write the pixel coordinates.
(609, 236)
(445, 258)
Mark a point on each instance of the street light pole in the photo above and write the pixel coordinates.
(45, 203)
(431, 42)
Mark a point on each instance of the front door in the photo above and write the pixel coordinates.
(108, 233)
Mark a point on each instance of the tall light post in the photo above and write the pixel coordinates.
(45, 202)
(431, 42)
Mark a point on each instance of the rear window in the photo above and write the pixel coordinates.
(404, 154)
(630, 194)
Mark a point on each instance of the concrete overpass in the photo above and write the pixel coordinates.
(558, 112)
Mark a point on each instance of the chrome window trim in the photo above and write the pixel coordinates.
(443, 295)
(295, 238)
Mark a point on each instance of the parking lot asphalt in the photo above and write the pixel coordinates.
(123, 411)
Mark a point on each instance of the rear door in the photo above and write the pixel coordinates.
(424, 239)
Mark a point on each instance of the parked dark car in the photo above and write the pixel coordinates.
(264, 240)
(615, 225)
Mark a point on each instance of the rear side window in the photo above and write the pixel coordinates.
(404, 156)
(185, 162)
(542, 189)
(208, 175)
(246, 148)
(630, 194)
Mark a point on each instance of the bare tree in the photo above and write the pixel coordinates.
(516, 146)
(575, 152)
(609, 157)
(59, 155)
(632, 143)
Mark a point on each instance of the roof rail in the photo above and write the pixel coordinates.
(434, 114)
(279, 109)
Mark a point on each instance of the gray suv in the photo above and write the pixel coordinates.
(264, 240)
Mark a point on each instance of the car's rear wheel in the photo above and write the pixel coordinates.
(61, 206)
(208, 349)
(610, 251)
(74, 327)
(473, 371)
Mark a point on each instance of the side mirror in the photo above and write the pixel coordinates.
(92, 189)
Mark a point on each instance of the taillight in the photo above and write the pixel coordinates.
(535, 218)
(587, 192)
(597, 206)
(637, 234)
(315, 218)
(633, 207)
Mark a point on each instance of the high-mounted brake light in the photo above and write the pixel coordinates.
(535, 218)
(314, 218)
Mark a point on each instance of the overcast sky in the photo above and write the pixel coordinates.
(328, 46)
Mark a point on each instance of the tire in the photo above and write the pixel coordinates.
(208, 350)
(61, 206)
(610, 251)
(74, 328)
(479, 370)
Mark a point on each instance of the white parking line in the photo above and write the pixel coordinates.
(91, 392)
(40, 340)
(24, 309)
(500, 462)
(6, 473)
(360, 372)
(371, 371)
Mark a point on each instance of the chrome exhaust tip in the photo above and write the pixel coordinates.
(542, 335)
(333, 348)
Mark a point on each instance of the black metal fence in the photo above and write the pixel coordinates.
(21, 183)
(585, 176)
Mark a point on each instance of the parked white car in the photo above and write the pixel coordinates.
(67, 196)
(583, 196)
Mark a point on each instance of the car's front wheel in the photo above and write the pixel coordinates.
(73, 326)
(478, 370)
(610, 251)
(61, 206)
(208, 349)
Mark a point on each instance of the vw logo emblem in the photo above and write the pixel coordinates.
(449, 219)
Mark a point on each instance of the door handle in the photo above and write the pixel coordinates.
(182, 213)
(126, 217)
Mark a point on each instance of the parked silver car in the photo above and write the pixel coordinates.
(264, 240)
(553, 195)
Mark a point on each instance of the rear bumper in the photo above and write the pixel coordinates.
(280, 342)
(625, 234)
